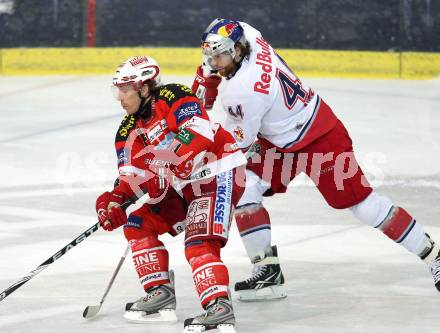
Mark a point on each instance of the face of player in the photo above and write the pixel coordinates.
(129, 97)
(223, 62)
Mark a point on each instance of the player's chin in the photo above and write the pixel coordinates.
(222, 72)
(129, 110)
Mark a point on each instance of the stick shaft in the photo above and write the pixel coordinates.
(115, 273)
(57, 255)
(49, 261)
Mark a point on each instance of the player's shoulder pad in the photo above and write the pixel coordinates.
(172, 92)
(127, 125)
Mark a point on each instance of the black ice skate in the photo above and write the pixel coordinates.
(432, 258)
(267, 281)
(219, 315)
(158, 305)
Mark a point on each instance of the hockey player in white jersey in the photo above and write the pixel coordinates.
(290, 130)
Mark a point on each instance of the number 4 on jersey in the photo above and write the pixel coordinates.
(292, 89)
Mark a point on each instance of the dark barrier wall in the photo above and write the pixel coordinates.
(399, 25)
(41, 23)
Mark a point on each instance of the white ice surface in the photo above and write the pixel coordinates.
(56, 143)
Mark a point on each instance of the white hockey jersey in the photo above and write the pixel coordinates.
(267, 99)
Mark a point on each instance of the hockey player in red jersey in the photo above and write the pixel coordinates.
(290, 130)
(167, 145)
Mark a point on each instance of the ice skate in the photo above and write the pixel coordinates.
(435, 270)
(432, 258)
(219, 316)
(267, 281)
(158, 305)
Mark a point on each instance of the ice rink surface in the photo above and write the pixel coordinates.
(57, 156)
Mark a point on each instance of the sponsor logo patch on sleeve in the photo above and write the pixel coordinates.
(186, 111)
(123, 155)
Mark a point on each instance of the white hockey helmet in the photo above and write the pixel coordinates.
(135, 71)
(219, 37)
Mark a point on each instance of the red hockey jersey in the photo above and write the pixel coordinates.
(172, 131)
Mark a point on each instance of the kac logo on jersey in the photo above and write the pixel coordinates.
(186, 111)
(238, 134)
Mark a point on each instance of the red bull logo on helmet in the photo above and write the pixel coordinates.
(227, 29)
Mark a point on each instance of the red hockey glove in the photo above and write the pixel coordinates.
(116, 216)
(101, 208)
(157, 185)
(205, 87)
(110, 214)
(183, 170)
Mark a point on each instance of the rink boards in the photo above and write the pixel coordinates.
(183, 61)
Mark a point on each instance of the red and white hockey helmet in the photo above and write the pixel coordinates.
(135, 71)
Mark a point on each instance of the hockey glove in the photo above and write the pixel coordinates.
(205, 87)
(110, 213)
(182, 170)
(101, 208)
(157, 185)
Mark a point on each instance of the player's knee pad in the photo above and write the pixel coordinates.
(207, 248)
(210, 274)
(150, 259)
(373, 210)
(135, 228)
(254, 190)
(148, 242)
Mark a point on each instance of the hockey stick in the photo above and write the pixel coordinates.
(92, 310)
(59, 254)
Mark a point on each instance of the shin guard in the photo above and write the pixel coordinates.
(253, 223)
(404, 230)
(210, 274)
(150, 259)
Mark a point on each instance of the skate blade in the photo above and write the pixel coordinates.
(263, 294)
(226, 328)
(222, 328)
(168, 316)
